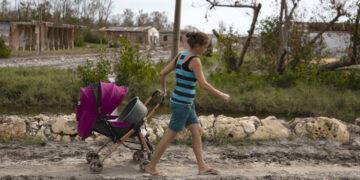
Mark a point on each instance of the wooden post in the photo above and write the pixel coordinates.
(40, 33)
(176, 30)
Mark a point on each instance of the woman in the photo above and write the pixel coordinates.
(188, 70)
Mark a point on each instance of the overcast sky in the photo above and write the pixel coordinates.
(193, 12)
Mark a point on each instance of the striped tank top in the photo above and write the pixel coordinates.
(185, 82)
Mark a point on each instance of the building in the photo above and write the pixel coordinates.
(144, 35)
(336, 41)
(166, 38)
(24, 35)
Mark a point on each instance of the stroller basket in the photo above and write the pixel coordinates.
(134, 112)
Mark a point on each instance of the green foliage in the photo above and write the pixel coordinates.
(5, 52)
(230, 49)
(79, 40)
(91, 73)
(94, 37)
(134, 70)
(37, 87)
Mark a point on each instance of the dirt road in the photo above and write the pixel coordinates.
(66, 60)
(280, 159)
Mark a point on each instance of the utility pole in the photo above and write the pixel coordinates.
(176, 29)
(40, 32)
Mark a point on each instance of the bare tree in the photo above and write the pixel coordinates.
(256, 8)
(128, 18)
(340, 11)
(284, 26)
(355, 45)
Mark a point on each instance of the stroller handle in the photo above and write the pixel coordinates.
(152, 95)
(157, 105)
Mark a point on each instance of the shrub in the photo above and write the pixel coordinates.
(90, 73)
(94, 37)
(133, 69)
(79, 40)
(5, 52)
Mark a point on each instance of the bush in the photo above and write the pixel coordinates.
(90, 73)
(94, 37)
(134, 70)
(79, 40)
(5, 52)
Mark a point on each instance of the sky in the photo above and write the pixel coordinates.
(193, 12)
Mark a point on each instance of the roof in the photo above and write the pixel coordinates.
(49, 24)
(126, 29)
(171, 31)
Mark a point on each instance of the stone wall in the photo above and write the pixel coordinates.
(64, 128)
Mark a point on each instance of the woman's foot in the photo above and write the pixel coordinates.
(208, 171)
(153, 171)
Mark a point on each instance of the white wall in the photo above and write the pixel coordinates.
(336, 43)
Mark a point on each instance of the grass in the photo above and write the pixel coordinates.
(38, 87)
(89, 48)
(332, 94)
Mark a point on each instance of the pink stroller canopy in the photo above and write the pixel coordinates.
(111, 96)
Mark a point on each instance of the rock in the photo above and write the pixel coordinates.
(228, 127)
(66, 138)
(321, 128)
(151, 135)
(185, 134)
(12, 127)
(65, 124)
(34, 125)
(101, 138)
(357, 121)
(271, 128)
(58, 137)
(42, 117)
(250, 124)
(207, 125)
(41, 134)
(158, 127)
(77, 138)
(89, 139)
(47, 131)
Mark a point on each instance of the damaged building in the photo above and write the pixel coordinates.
(143, 35)
(25, 35)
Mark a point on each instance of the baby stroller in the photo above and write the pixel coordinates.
(93, 113)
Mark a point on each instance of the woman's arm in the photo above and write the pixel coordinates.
(164, 72)
(196, 66)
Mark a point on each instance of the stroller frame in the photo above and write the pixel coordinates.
(93, 158)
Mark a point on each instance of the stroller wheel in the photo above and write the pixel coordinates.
(91, 156)
(96, 166)
(138, 155)
(143, 164)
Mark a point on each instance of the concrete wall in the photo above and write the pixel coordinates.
(26, 37)
(5, 32)
(336, 44)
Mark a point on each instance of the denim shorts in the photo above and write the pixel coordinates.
(182, 116)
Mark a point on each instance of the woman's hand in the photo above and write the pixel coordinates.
(163, 92)
(225, 97)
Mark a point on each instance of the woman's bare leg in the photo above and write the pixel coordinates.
(159, 150)
(195, 130)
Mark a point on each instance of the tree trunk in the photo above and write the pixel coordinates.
(251, 32)
(176, 33)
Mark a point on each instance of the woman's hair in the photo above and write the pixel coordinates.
(194, 38)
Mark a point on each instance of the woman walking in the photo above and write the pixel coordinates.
(188, 71)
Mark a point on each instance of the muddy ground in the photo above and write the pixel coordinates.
(276, 159)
